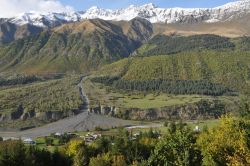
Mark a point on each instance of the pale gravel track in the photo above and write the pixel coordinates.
(81, 122)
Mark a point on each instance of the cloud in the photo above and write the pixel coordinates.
(10, 8)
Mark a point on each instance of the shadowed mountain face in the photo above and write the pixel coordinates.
(77, 47)
(139, 30)
(10, 32)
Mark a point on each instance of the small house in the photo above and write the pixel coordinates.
(29, 141)
(197, 129)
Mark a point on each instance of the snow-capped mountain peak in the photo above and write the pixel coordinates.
(149, 11)
(149, 6)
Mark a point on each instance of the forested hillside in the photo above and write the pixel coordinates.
(229, 68)
(30, 104)
(162, 44)
(186, 87)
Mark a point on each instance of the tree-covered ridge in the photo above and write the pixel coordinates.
(55, 95)
(162, 44)
(19, 80)
(242, 43)
(33, 105)
(229, 68)
(201, 87)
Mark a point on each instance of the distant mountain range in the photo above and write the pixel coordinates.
(150, 12)
(85, 41)
(231, 20)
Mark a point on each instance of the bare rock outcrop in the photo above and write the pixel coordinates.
(201, 110)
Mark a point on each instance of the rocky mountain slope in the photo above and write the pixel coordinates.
(9, 31)
(78, 47)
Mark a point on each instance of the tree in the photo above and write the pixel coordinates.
(100, 160)
(12, 153)
(15, 153)
(18, 154)
(72, 147)
(5, 158)
(59, 158)
(177, 148)
(245, 109)
(48, 141)
(119, 160)
(226, 144)
(82, 156)
(102, 144)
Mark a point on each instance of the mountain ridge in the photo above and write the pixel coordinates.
(149, 11)
(78, 47)
(223, 20)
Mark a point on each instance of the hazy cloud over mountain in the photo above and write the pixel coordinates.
(10, 8)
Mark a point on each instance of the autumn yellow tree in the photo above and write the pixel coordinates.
(118, 160)
(225, 144)
(101, 160)
(73, 147)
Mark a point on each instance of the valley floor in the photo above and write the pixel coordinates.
(94, 94)
(80, 122)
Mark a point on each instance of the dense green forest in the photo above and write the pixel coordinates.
(19, 80)
(15, 153)
(162, 44)
(229, 68)
(187, 87)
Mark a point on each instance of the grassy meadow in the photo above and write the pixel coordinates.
(104, 95)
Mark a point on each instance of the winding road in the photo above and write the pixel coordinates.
(81, 122)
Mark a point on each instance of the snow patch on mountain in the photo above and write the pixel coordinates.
(149, 11)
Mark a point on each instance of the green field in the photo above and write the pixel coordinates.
(100, 94)
(41, 143)
(161, 100)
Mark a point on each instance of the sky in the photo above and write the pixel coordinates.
(10, 8)
(114, 4)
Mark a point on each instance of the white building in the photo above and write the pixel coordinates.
(29, 141)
